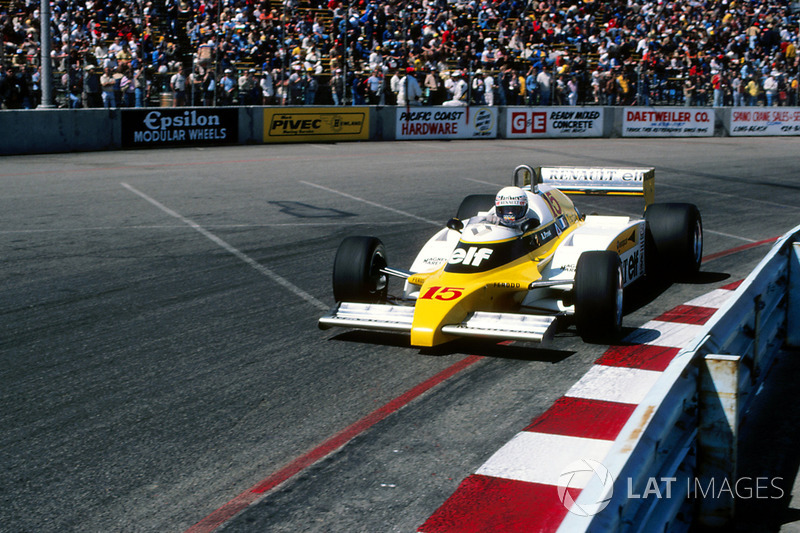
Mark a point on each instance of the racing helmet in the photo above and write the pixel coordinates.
(511, 204)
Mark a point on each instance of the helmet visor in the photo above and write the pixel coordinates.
(511, 213)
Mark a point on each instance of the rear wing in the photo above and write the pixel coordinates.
(593, 180)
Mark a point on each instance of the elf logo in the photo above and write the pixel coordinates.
(471, 256)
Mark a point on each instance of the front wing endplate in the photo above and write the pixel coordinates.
(510, 326)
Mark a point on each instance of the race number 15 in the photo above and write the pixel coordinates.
(442, 293)
(555, 207)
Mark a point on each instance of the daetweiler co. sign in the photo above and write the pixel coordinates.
(179, 127)
(667, 122)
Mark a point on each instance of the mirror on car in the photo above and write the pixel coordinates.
(455, 224)
(528, 225)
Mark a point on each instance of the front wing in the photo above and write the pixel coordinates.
(398, 318)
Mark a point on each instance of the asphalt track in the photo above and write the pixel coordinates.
(160, 355)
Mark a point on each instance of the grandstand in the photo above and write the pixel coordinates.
(616, 52)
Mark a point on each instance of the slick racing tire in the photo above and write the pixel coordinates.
(677, 237)
(357, 275)
(598, 296)
(473, 203)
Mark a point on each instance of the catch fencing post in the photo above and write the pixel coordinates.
(793, 313)
(714, 486)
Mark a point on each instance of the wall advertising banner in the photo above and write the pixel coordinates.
(446, 123)
(667, 122)
(309, 124)
(527, 122)
(143, 128)
(765, 121)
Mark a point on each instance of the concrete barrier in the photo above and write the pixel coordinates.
(681, 441)
(64, 130)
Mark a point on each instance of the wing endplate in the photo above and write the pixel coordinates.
(511, 326)
(382, 317)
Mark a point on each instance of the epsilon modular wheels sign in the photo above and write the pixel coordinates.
(179, 127)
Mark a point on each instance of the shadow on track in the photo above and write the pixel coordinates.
(482, 347)
(643, 292)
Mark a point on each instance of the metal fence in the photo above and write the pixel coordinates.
(688, 425)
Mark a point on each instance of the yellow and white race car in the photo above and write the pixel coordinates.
(509, 275)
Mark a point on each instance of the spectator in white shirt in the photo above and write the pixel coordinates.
(409, 91)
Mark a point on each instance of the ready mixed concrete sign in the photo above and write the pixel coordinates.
(529, 122)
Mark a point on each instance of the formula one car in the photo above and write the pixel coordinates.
(483, 277)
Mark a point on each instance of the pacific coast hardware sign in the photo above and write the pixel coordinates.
(765, 121)
(298, 124)
(179, 127)
(527, 122)
(446, 123)
(667, 122)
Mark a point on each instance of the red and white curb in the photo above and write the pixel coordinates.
(517, 489)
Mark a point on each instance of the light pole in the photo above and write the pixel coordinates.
(47, 67)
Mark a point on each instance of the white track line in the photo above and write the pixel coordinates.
(728, 235)
(294, 289)
(213, 226)
(368, 202)
(483, 182)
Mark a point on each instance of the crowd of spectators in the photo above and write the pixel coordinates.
(135, 53)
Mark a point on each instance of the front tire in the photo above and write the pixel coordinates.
(598, 296)
(677, 237)
(357, 275)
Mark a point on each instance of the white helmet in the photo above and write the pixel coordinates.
(511, 204)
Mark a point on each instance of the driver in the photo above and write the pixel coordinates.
(512, 209)
(511, 206)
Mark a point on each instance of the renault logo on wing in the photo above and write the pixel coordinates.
(471, 256)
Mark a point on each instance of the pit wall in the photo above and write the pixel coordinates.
(62, 130)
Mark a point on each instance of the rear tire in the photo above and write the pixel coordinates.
(598, 296)
(357, 275)
(677, 237)
(473, 203)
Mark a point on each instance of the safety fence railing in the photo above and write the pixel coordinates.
(675, 461)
